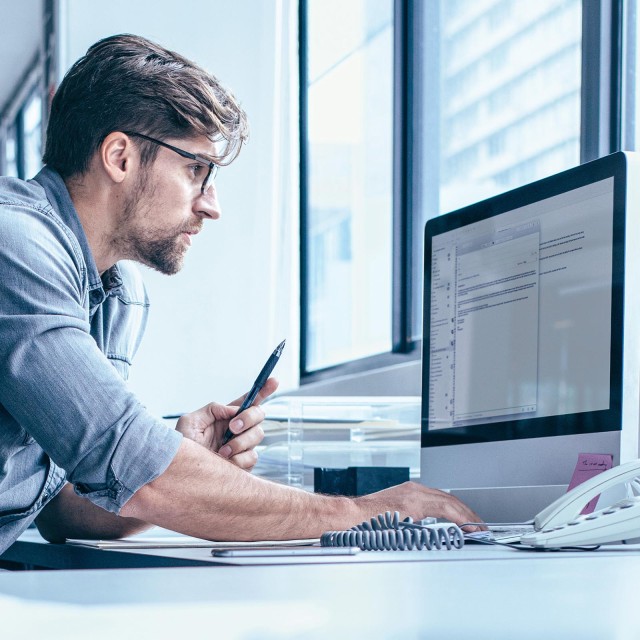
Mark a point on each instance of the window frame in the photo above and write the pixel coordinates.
(601, 133)
(13, 113)
(38, 77)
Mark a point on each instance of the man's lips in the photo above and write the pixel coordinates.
(187, 236)
(191, 232)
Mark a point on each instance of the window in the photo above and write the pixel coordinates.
(483, 96)
(11, 152)
(32, 134)
(23, 135)
(630, 88)
(530, 102)
(349, 159)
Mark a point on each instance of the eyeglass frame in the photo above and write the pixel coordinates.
(212, 166)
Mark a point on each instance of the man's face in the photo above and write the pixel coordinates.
(166, 208)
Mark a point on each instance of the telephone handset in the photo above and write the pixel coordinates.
(561, 525)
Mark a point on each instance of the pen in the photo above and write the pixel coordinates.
(257, 386)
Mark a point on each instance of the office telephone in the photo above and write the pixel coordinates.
(561, 525)
(558, 525)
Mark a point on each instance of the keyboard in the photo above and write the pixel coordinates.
(500, 533)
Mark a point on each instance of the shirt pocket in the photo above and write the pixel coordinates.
(118, 327)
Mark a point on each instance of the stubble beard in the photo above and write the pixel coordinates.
(160, 250)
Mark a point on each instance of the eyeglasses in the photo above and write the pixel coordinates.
(212, 166)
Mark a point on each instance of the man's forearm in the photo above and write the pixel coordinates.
(203, 495)
(71, 516)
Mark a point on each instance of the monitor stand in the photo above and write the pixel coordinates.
(513, 480)
(509, 504)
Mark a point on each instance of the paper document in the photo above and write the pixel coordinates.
(164, 539)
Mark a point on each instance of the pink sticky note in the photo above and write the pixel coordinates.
(589, 465)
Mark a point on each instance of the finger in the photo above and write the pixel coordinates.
(246, 420)
(432, 502)
(243, 442)
(214, 411)
(269, 387)
(451, 507)
(456, 511)
(196, 424)
(245, 460)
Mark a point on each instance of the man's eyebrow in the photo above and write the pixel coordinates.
(206, 156)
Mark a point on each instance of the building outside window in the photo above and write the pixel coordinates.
(350, 173)
(496, 91)
(509, 95)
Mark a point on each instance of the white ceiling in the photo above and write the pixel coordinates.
(20, 36)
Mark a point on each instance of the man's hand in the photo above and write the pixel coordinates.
(207, 426)
(415, 500)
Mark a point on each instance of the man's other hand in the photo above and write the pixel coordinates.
(207, 426)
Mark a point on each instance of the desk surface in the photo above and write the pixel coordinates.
(479, 592)
(32, 549)
(589, 595)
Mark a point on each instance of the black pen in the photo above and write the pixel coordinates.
(257, 386)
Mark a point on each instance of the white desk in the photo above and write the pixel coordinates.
(478, 592)
(32, 550)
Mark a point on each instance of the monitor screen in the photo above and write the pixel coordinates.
(531, 337)
(523, 310)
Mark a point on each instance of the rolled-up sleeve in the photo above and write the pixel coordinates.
(54, 380)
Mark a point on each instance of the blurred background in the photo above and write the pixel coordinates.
(367, 118)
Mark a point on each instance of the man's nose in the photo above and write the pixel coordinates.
(207, 205)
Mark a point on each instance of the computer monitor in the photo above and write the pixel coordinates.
(531, 343)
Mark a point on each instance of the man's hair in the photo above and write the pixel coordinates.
(128, 83)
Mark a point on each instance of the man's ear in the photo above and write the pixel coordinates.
(117, 155)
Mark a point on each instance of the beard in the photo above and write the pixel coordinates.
(164, 254)
(160, 249)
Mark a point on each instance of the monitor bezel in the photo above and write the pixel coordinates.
(613, 166)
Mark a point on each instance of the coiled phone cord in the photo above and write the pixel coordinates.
(386, 532)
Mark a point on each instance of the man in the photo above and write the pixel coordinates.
(134, 140)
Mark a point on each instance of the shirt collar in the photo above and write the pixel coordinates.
(58, 195)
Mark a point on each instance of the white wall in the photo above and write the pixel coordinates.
(213, 325)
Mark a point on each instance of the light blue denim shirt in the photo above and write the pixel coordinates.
(67, 339)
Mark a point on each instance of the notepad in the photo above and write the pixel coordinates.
(588, 466)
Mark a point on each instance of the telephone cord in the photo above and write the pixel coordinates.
(386, 532)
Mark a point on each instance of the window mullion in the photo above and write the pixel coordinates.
(304, 182)
(601, 78)
(402, 172)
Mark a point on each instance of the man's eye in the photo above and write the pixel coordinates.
(196, 169)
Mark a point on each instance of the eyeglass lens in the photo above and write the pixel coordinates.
(210, 177)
